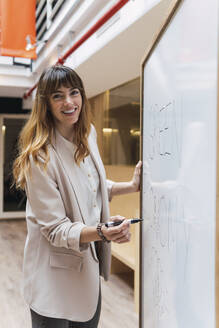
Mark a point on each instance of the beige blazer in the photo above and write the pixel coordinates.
(61, 280)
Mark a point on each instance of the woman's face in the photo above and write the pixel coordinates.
(65, 105)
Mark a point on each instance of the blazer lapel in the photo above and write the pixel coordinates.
(94, 152)
(65, 152)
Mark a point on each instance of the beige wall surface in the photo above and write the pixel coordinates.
(127, 205)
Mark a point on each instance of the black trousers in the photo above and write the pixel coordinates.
(39, 321)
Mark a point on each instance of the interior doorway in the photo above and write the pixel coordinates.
(12, 201)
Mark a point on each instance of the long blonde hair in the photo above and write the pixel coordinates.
(38, 131)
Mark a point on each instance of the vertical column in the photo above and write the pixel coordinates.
(48, 13)
(217, 216)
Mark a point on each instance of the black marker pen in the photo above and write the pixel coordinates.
(113, 224)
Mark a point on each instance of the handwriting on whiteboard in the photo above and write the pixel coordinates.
(167, 230)
(163, 127)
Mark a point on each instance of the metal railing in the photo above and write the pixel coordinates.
(106, 17)
(46, 12)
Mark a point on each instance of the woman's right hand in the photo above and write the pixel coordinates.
(118, 234)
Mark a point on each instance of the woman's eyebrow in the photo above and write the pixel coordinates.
(57, 91)
(73, 88)
(60, 91)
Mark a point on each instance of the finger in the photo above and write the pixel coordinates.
(116, 232)
(138, 168)
(117, 218)
(122, 234)
(124, 239)
(117, 229)
(139, 164)
(137, 174)
(123, 228)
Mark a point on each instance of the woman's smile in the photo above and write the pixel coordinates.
(70, 111)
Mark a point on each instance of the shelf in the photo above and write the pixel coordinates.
(125, 253)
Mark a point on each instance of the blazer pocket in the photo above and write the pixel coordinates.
(66, 261)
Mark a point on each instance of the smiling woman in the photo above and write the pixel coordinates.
(56, 93)
(68, 242)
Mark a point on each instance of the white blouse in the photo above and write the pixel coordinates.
(92, 182)
(91, 186)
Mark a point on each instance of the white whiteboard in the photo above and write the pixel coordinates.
(179, 126)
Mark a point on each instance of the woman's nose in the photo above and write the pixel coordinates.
(68, 100)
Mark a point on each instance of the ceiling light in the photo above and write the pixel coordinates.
(32, 43)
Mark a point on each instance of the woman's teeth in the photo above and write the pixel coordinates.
(70, 111)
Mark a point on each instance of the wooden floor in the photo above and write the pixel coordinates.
(117, 294)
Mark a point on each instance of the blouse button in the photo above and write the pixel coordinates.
(89, 175)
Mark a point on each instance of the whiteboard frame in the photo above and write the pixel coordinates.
(217, 205)
(172, 10)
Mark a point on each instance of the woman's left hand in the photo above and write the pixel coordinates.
(135, 182)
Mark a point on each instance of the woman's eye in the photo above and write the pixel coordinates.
(57, 96)
(75, 92)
